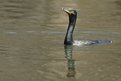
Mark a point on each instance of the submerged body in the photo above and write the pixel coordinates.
(90, 42)
(72, 13)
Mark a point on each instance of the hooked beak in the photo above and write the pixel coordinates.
(67, 11)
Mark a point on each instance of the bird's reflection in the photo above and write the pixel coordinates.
(70, 60)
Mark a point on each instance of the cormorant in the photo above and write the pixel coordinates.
(72, 13)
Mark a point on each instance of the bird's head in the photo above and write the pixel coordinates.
(70, 11)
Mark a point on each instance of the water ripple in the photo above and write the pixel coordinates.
(60, 32)
(15, 9)
(3, 49)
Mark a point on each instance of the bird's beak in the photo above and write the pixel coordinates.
(67, 11)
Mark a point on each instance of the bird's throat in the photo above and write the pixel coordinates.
(69, 34)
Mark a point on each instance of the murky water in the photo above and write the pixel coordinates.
(32, 34)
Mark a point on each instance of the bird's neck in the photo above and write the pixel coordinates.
(69, 34)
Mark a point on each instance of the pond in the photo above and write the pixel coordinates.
(32, 34)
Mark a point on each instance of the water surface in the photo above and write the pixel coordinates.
(32, 34)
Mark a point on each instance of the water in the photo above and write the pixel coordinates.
(32, 34)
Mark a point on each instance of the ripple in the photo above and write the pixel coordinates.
(3, 49)
(31, 31)
(101, 32)
(16, 9)
(52, 32)
(59, 32)
(11, 32)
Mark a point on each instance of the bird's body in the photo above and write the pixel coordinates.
(72, 13)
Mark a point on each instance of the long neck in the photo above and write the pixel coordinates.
(69, 35)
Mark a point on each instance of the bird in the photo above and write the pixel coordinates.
(72, 14)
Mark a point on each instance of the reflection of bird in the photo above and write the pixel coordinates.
(70, 60)
(72, 13)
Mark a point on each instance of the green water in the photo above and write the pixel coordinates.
(32, 34)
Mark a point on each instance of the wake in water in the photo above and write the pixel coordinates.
(90, 42)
